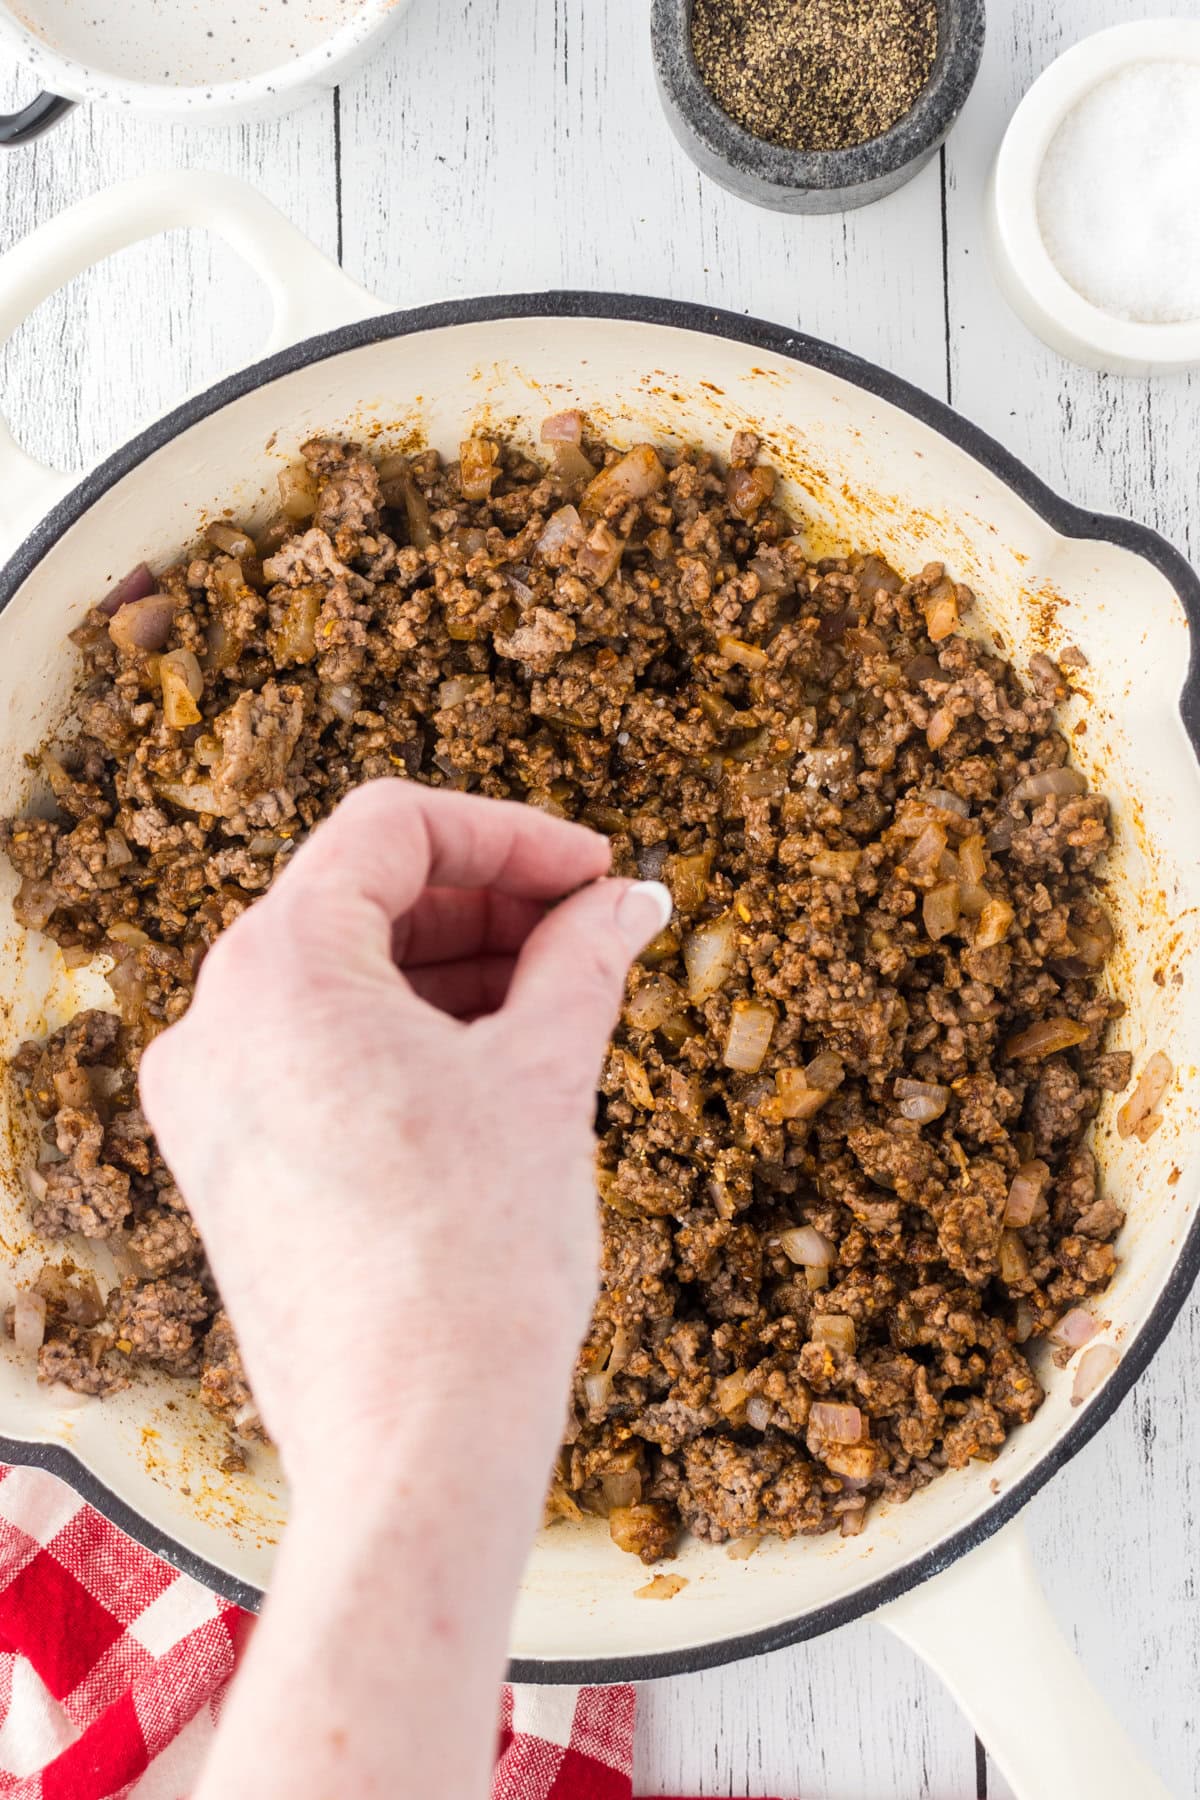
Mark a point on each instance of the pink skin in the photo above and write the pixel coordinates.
(379, 1107)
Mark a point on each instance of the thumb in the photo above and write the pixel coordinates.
(570, 976)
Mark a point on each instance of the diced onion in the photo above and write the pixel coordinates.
(193, 796)
(458, 689)
(634, 476)
(298, 491)
(1061, 782)
(940, 909)
(747, 489)
(994, 922)
(927, 851)
(687, 878)
(826, 1070)
(921, 1101)
(730, 1392)
(835, 1423)
(143, 626)
(863, 643)
(621, 1487)
(836, 1330)
(562, 532)
(598, 1387)
(124, 932)
(941, 611)
(1025, 1193)
(37, 1184)
(836, 865)
(229, 539)
(794, 1098)
(940, 727)
(635, 1080)
(1095, 1366)
(116, 850)
(736, 650)
(35, 903)
(652, 1003)
(945, 801)
(601, 555)
(751, 1023)
(972, 899)
(1075, 1329)
(182, 684)
(137, 585)
(344, 699)
(709, 955)
(1024, 1322)
(1044, 1037)
(1143, 1102)
(478, 467)
(758, 1412)
(806, 1247)
(29, 1321)
(562, 428)
(1014, 1258)
(972, 859)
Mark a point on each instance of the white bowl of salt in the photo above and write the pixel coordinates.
(1094, 201)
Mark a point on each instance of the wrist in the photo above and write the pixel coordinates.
(446, 1427)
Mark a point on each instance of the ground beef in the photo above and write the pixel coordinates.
(835, 782)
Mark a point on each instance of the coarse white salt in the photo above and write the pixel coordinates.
(1119, 194)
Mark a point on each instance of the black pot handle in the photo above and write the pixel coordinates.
(22, 127)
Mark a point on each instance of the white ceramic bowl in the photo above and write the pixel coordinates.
(1039, 294)
(204, 61)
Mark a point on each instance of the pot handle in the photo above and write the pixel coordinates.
(308, 292)
(984, 1626)
(43, 111)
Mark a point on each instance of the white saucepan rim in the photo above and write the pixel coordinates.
(76, 80)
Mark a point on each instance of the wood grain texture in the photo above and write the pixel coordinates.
(490, 149)
(486, 152)
(1116, 1534)
(133, 336)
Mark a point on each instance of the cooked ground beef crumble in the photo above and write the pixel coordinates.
(841, 1161)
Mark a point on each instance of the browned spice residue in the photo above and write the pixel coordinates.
(815, 74)
(663, 1587)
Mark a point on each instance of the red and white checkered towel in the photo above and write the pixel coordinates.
(113, 1665)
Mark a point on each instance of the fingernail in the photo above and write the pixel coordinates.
(644, 910)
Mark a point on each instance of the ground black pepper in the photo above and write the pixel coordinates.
(815, 74)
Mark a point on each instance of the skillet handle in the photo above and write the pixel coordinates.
(308, 292)
(985, 1628)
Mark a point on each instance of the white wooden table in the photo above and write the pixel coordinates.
(500, 145)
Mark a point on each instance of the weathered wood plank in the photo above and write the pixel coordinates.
(482, 156)
(1116, 1533)
(131, 337)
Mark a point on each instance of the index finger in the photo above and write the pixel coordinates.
(390, 840)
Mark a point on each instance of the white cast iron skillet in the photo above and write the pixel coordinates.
(870, 462)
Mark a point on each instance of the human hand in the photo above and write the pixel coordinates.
(379, 1108)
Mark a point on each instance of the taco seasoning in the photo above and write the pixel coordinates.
(815, 74)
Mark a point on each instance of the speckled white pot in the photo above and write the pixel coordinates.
(200, 60)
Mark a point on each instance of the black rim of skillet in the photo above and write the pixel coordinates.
(961, 25)
(1068, 520)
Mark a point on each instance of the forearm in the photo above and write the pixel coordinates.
(380, 1655)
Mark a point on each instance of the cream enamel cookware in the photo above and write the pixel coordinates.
(868, 461)
(208, 63)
